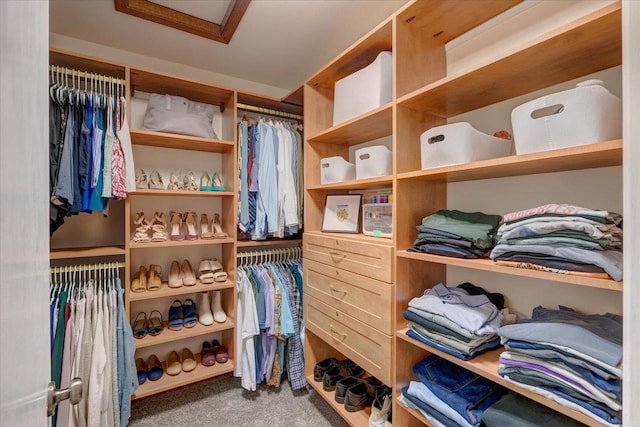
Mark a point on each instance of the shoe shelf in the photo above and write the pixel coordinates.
(184, 193)
(180, 142)
(597, 155)
(486, 365)
(169, 335)
(358, 184)
(567, 53)
(166, 291)
(179, 243)
(354, 419)
(488, 265)
(169, 382)
(98, 251)
(372, 125)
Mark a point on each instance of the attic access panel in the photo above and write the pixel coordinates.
(163, 15)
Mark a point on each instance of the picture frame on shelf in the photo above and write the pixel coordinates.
(342, 213)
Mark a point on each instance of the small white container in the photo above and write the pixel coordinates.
(364, 90)
(377, 219)
(336, 169)
(458, 143)
(373, 161)
(587, 114)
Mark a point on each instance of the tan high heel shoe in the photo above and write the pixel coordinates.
(188, 276)
(217, 228)
(155, 278)
(142, 229)
(205, 230)
(175, 275)
(159, 225)
(190, 220)
(155, 180)
(176, 226)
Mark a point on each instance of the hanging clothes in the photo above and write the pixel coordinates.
(271, 180)
(98, 346)
(90, 154)
(270, 307)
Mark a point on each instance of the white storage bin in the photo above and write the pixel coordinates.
(457, 143)
(373, 161)
(364, 90)
(586, 114)
(336, 169)
(377, 219)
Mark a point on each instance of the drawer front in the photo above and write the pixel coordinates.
(363, 298)
(365, 258)
(366, 346)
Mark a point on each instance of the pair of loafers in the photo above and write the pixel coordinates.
(151, 370)
(357, 393)
(212, 353)
(331, 370)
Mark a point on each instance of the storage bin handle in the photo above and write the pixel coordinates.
(547, 111)
(436, 138)
(365, 156)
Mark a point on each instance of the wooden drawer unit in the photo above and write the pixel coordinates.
(365, 345)
(365, 299)
(365, 258)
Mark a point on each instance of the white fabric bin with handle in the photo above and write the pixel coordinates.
(336, 169)
(373, 161)
(364, 90)
(458, 143)
(587, 114)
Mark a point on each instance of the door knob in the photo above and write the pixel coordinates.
(55, 396)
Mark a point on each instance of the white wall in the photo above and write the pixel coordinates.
(60, 41)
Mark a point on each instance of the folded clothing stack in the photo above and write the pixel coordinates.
(462, 321)
(572, 358)
(448, 394)
(563, 239)
(456, 234)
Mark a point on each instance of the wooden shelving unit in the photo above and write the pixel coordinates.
(354, 419)
(602, 154)
(166, 291)
(179, 243)
(169, 335)
(488, 265)
(486, 365)
(168, 382)
(181, 193)
(99, 251)
(180, 142)
(359, 184)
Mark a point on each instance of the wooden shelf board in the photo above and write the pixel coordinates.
(98, 251)
(354, 419)
(85, 63)
(486, 365)
(357, 237)
(367, 127)
(360, 54)
(488, 265)
(295, 97)
(269, 103)
(180, 142)
(153, 82)
(561, 55)
(358, 184)
(601, 154)
(168, 382)
(168, 335)
(259, 243)
(166, 291)
(184, 193)
(179, 243)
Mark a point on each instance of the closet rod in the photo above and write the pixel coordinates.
(269, 111)
(86, 267)
(270, 255)
(66, 72)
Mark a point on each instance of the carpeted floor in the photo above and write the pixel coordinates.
(222, 402)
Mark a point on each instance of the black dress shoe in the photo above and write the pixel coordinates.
(331, 378)
(359, 396)
(343, 385)
(322, 367)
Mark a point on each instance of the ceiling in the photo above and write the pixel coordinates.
(279, 43)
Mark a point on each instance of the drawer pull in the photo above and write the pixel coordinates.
(337, 256)
(338, 291)
(339, 334)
